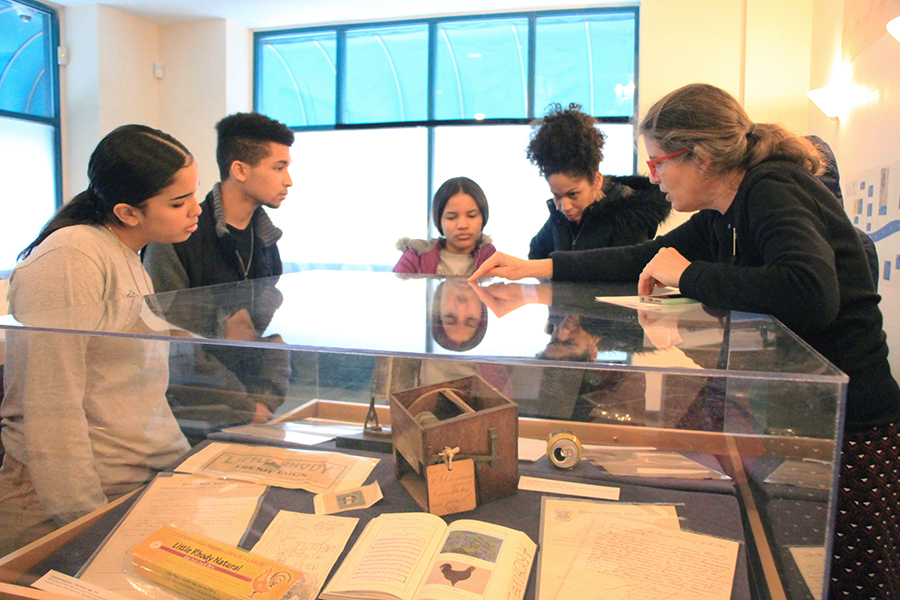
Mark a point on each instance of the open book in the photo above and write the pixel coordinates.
(404, 556)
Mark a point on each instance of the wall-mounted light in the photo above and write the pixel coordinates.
(828, 99)
(893, 27)
(25, 13)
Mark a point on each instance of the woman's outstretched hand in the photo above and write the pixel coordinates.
(510, 267)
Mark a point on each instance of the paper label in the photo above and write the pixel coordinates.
(451, 490)
(335, 502)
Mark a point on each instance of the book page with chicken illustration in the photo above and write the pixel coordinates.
(480, 560)
(409, 556)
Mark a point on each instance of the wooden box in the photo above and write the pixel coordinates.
(466, 413)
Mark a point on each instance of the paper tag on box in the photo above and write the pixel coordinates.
(451, 489)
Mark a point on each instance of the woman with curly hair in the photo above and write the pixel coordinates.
(588, 210)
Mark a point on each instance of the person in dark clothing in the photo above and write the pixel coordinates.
(769, 237)
(832, 180)
(588, 210)
(235, 241)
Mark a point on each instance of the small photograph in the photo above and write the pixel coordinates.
(476, 545)
(459, 576)
(350, 499)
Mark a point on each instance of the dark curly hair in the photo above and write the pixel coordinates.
(566, 141)
(245, 137)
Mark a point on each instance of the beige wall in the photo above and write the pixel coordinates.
(110, 81)
(868, 145)
(207, 70)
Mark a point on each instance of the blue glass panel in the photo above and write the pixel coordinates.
(482, 69)
(25, 82)
(588, 59)
(386, 75)
(297, 77)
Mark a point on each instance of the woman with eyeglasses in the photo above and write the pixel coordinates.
(768, 237)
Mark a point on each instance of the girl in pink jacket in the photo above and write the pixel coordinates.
(460, 212)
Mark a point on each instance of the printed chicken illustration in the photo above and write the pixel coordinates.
(455, 576)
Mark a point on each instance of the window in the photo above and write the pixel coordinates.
(588, 59)
(29, 124)
(386, 112)
(297, 73)
(482, 69)
(386, 75)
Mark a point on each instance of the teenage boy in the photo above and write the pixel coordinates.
(235, 240)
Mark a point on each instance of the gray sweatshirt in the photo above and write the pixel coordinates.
(87, 414)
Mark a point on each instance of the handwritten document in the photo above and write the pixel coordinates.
(312, 543)
(451, 491)
(220, 509)
(315, 472)
(564, 524)
(623, 559)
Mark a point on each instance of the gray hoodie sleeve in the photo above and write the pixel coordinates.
(165, 268)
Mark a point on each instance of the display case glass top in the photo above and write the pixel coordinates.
(375, 313)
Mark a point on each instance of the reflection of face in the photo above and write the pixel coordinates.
(572, 195)
(460, 310)
(171, 215)
(570, 342)
(461, 223)
(267, 182)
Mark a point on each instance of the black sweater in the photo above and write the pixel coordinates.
(630, 213)
(785, 247)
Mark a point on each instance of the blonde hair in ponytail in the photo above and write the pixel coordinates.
(700, 115)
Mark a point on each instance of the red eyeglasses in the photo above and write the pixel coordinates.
(655, 161)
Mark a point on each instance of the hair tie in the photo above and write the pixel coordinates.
(752, 129)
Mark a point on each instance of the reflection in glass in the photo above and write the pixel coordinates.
(482, 69)
(386, 75)
(296, 78)
(458, 318)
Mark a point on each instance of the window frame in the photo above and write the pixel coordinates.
(431, 124)
(261, 37)
(51, 45)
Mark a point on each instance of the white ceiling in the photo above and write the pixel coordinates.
(262, 14)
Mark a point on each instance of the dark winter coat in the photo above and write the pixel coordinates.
(630, 213)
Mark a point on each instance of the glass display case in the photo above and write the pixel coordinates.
(682, 398)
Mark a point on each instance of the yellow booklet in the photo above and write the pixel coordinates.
(405, 556)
